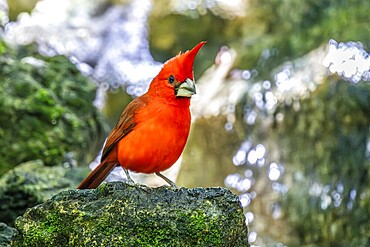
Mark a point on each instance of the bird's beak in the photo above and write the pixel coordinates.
(186, 89)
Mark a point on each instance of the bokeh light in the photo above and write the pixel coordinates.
(349, 60)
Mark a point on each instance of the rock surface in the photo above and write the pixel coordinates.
(6, 234)
(120, 214)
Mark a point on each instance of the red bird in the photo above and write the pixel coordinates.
(153, 129)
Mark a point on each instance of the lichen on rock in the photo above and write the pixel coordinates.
(120, 214)
(6, 234)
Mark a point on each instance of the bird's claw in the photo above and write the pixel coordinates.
(172, 184)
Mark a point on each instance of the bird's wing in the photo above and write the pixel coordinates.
(125, 124)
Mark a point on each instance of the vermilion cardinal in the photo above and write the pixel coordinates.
(153, 129)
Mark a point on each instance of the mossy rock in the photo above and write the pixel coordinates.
(6, 234)
(30, 184)
(46, 110)
(120, 214)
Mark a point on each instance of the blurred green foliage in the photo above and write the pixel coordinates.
(325, 143)
(286, 29)
(296, 27)
(29, 184)
(330, 128)
(46, 110)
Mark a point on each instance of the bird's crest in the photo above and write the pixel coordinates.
(185, 61)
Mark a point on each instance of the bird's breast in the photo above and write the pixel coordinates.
(157, 140)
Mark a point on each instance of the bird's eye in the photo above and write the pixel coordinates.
(171, 79)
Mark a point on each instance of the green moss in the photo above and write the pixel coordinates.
(117, 214)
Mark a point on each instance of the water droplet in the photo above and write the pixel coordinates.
(274, 172)
(244, 200)
(249, 217)
(252, 157)
(246, 74)
(252, 237)
(353, 194)
(229, 126)
(266, 84)
(260, 151)
(239, 158)
(248, 173)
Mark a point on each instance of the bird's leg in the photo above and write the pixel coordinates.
(173, 185)
(129, 179)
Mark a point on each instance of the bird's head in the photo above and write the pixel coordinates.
(176, 79)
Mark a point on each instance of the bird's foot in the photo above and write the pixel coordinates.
(128, 178)
(172, 184)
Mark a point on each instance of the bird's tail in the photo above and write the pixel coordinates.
(97, 176)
